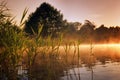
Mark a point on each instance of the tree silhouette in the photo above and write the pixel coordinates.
(70, 31)
(49, 17)
(102, 33)
(86, 32)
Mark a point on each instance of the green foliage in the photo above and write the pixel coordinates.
(43, 58)
(16, 48)
(22, 22)
(11, 44)
(49, 17)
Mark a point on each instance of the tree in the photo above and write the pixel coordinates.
(102, 33)
(86, 32)
(70, 31)
(46, 15)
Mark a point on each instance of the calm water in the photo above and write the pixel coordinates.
(97, 62)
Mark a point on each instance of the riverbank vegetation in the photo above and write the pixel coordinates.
(47, 47)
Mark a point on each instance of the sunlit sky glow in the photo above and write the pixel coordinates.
(98, 11)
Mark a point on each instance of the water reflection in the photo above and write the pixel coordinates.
(97, 62)
(108, 71)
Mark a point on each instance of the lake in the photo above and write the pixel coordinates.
(96, 62)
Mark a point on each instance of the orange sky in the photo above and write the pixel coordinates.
(98, 11)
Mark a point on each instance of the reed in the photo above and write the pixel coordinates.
(43, 58)
(11, 43)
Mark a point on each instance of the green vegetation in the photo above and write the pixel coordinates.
(40, 57)
(43, 54)
(11, 44)
(49, 17)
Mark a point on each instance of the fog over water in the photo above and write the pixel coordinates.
(105, 63)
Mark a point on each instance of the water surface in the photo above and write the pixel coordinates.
(97, 62)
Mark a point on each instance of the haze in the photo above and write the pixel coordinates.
(98, 11)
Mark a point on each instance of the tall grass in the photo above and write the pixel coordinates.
(42, 58)
(11, 43)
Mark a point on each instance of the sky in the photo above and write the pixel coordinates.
(105, 12)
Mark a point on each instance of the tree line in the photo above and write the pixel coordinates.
(51, 23)
(88, 32)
